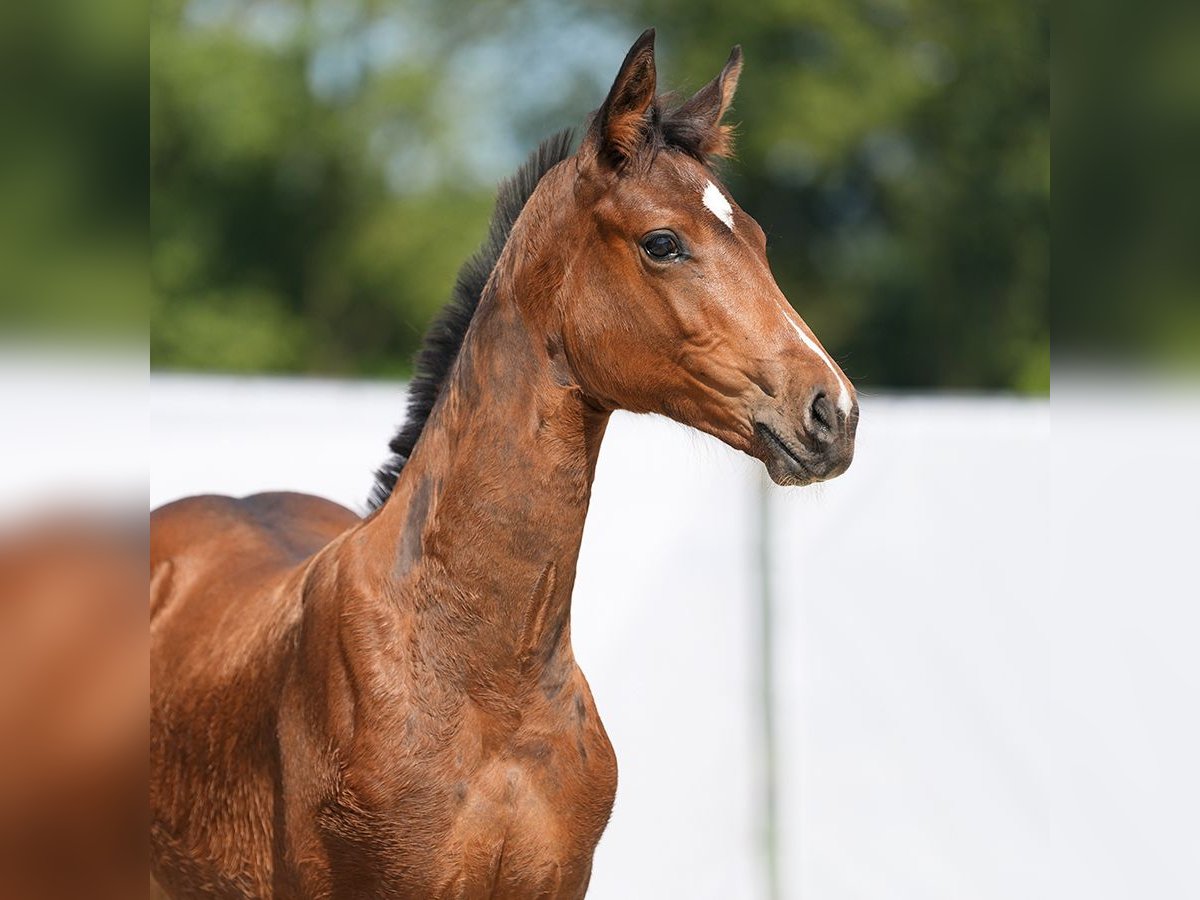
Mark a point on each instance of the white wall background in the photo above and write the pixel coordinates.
(910, 659)
(74, 429)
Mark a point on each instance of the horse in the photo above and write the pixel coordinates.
(389, 706)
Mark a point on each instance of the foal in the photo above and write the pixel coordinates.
(389, 707)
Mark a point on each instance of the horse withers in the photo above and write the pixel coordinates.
(389, 706)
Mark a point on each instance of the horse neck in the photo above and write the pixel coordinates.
(481, 535)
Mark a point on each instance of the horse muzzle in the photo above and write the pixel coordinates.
(819, 447)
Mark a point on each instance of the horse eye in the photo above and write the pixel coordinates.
(661, 245)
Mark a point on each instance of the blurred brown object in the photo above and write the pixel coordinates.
(74, 687)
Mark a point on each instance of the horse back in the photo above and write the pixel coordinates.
(287, 527)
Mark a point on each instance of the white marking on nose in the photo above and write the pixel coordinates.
(843, 401)
(716, 203)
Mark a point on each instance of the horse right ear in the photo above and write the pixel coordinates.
(620, 125)
(700, 118)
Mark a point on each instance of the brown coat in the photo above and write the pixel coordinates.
(389, 706)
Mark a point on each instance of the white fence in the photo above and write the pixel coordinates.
(910, 662)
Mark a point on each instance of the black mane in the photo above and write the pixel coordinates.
(445, 336)
(665, 128)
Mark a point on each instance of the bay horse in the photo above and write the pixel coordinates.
(388, 706)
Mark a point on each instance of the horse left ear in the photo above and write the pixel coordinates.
(701, 115)
(619, 126)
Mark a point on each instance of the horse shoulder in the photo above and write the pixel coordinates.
(226, 599)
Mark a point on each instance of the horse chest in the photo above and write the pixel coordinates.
(518, 820)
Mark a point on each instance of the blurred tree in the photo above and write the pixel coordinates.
(73, 163)
(321, 168)
(897, 152)
(1127, 276)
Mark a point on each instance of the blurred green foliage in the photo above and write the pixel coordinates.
(73, 163)
(320, 168)
(1126, 283)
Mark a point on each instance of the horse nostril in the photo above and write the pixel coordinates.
(822, 411)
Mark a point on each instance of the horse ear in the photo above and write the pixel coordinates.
(620, 124)
(701, 116)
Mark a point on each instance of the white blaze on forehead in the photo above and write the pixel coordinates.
(844, 403)
(716, 203)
